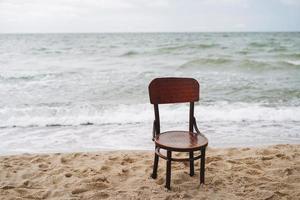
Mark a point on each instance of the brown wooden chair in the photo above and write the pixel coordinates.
(177, 90)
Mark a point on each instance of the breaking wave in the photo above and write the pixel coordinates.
(131, 114)
(42, 76)
(129, 53)
(206, 61)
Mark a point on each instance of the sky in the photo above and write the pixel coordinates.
(44, 16)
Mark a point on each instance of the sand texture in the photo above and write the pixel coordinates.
(234, 173)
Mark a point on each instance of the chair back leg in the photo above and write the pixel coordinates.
(168, 174)
(202, 166)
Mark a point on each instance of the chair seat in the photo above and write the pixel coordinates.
(180, 140)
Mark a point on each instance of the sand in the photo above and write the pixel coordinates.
(234, 173)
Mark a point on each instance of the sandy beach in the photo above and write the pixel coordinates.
(271, 172)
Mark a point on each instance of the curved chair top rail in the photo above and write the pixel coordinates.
(173, 90)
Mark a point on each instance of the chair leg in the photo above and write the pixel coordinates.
(168, 174)
(202, 167)
(155, 165)
(192, 172)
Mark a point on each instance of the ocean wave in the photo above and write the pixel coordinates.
(131, 114)
(40, 49)
(29, 77)
(58, 125)
(293, 62)
(295, 55)
(205, 46)
(267, 65)
(243, 52)
(257, 44)
(253, 64)
(291, 56)
(187, 46)
(129, 53)
(34, 77)
(49, 51)
(26, 77)
(278, 49)
(206, 61)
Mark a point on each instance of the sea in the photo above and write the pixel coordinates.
(83, 92)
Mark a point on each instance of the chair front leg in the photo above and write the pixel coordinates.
(202, 166)
(168, 174)
(155, 165)
(192, 172)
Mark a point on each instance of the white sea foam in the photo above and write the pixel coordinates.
(294, 62)
(142, 113)
(138, 136)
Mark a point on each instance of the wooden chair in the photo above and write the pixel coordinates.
(177, 90)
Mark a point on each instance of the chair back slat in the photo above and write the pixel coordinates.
(173, 90)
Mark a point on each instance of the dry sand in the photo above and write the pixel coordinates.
(234, 173)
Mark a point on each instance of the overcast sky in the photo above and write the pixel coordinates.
(148, 15)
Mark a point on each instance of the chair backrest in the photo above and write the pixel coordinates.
(173, 90)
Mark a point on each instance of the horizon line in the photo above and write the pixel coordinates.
(128, 32)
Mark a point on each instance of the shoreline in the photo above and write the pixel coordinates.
(269, 172)
(128, 150)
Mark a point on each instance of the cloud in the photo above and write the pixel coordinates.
(145, 15)
(291, 2)
(227, 2)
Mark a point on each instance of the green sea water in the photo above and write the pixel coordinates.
(71, 92)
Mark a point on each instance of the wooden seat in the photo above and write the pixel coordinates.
(180, 140)
(177, 90)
